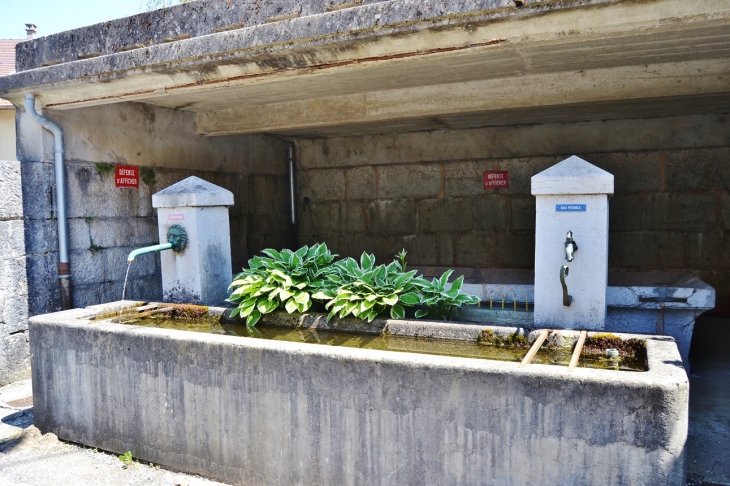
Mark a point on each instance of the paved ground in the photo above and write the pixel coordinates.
(708, 444)
(28, 458)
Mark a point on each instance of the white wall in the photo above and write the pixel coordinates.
(7, 134)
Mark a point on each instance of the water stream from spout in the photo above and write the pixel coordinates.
(126, 277)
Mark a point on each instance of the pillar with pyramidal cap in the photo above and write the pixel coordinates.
(571, 245)
(201, 273)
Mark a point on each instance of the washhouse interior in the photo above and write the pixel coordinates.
(375, 128)
(567, 157)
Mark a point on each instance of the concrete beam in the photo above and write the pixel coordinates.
(543, 37)
(540, 90)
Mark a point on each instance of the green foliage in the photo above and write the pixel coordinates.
(147, 174)
(126, 458)
(93, 247)
(401, 257)
(438, 301)
(102, 168)
(365, 290)
(295, 280)
(281, 279)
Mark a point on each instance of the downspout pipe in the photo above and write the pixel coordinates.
(64, 267)
(293, 233)
(292, 185)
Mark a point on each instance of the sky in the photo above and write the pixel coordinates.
(53, 16)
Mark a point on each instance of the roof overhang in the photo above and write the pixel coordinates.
(379, 68)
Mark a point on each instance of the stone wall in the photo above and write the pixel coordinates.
(14, 353)
(106, 223)
(424, 192)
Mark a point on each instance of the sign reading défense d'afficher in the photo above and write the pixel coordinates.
(570, 207)
(126, 176)
(496, 179)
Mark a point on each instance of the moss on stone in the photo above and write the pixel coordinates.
(515, 340)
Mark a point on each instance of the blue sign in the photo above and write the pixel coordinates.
(570, 207)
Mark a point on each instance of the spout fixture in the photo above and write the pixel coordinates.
(567, 299)
(177, 240)
(570, 247)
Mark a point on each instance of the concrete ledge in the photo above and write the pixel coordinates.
(161, 30)
(268, 412)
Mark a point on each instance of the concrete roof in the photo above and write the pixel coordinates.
(311, 68)
(7, 63)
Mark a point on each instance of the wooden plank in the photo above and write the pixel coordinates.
(535, 347)
(576, 352)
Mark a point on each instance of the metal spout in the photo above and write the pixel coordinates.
(570, 247)
(567, 299)
(148, 249)
(177, 240)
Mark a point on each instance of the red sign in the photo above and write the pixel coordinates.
(127, 176)
(496, 179)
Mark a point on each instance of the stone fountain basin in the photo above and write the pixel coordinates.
(252, 411)
(660, 303)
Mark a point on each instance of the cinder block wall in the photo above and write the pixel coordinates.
(106, 223)
(14, 354)
(424, 192)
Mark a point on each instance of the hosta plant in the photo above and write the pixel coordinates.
(438, 301)
(280, 279)
(365, 290)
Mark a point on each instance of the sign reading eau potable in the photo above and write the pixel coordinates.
(570, 208)
(126, 176)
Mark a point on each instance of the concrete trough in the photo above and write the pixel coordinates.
(660, 303)
(259, 412)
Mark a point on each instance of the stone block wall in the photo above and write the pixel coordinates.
(424, 192)
(106, 223)
(14, 351)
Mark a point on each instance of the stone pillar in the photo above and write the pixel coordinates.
(571, 196)
(201, 273)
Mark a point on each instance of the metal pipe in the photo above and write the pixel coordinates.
(567, 299)
(64, 267)
(292, 196)
(148, 249)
